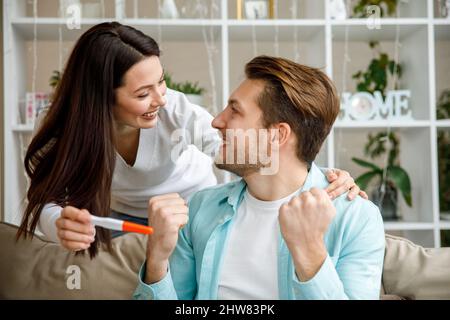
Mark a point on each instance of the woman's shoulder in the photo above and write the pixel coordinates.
(179, 107)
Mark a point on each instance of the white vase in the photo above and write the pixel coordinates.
(446, 9)
(169, 10)
(65, 4)
(338, 11)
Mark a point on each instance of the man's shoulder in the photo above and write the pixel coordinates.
(356, 209)
(357, 219)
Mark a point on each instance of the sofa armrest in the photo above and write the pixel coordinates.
(414, 272)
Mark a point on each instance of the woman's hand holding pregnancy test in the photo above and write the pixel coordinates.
(76, 229)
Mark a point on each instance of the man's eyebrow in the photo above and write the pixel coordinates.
(151, 85)
(235, 104)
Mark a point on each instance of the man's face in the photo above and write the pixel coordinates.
(246, 146)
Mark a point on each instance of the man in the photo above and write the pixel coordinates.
(275, 233)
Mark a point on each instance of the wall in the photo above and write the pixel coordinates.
(1, 114)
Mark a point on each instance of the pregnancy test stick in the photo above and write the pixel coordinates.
(119, 225)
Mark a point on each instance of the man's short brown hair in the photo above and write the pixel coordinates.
(301, 96)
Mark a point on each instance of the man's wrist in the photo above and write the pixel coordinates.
(308, 259)
(155, 271)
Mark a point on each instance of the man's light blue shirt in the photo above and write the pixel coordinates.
(354, 241)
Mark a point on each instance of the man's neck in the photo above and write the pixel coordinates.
(288, 179)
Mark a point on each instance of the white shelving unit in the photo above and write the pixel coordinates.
(319, 42)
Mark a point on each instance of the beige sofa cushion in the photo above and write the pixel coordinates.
(414, 272)
(37, 269)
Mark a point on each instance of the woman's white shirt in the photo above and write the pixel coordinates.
(174, 156)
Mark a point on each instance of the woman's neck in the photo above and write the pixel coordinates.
(127, 142)
(123, 130)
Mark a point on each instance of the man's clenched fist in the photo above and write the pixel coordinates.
(304, 221)
(166, 214)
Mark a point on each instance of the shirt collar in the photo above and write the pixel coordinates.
(315, 178)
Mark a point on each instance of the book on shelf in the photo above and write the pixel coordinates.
(34, 103)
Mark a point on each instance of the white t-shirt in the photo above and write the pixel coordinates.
(250, 266)
(174, 156)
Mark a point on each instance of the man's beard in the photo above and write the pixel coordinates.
(248, 157)
(240, 169)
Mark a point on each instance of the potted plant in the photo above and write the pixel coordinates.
(192, 90)
(443, 106)
(390, 179)
(375, 78)
(54, 79)
(387, 7)
(443, 141)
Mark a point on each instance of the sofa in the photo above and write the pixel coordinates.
(37, 269)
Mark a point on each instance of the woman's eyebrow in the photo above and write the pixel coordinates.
(150, 85)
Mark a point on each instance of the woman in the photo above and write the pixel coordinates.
(106, 146)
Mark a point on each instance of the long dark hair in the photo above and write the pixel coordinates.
(71, 159)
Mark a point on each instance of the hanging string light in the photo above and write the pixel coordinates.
(35, 58)
(294, 10)
(397, 46)
(254, 40)
(102, 5)
(276, 44)
(60, 49)
(158, 27)
(211, 48)
(347, 60)
(135, 9)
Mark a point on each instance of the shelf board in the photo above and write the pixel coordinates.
(172, 30)
(22, 128)
(270, 32)
(383, 22)
(276, 22)
(178, 31)
(441, 21)
(444, 225)
(443, 123)
(403, 225)
(48, 28)
(382, 124)
(387, 32)
(173, 22)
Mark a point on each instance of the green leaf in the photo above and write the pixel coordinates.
(401, 180)
(361, 87)
(357, 75)
(363, 180)
(366, 164)
(373, 44)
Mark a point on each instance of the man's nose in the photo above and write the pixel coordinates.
(219, 121)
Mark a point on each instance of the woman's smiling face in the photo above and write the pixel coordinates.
(142, 94)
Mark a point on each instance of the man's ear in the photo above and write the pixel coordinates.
(281, 134)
